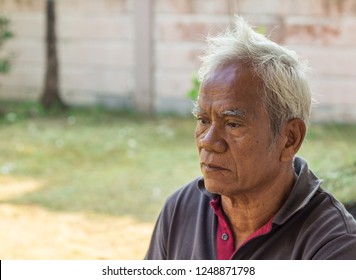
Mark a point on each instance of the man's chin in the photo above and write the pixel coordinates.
(214, 186)
(220, 187)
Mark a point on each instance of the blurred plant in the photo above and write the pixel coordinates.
(5, 34)
(194, 91)
(262, 29)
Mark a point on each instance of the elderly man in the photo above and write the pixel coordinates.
(256, 199)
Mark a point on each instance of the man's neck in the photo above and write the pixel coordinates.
(247, 212)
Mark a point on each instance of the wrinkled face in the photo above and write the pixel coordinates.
(233, 134)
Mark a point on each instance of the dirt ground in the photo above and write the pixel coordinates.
(31, 232)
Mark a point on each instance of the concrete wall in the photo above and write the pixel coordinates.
(98, 43)
(95, 49)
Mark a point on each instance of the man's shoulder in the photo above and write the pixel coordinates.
(182, 230)
(336, 229)
(333, 210)
(318, 204)
(191, 192)
(190, 202)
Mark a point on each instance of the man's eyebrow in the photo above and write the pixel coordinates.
(231, 113)
(235, 113)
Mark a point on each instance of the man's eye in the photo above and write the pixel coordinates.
(202, 121)
(233, 124)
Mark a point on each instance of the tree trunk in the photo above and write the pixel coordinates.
(50, 98)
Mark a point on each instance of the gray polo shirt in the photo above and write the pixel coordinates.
(311, 224)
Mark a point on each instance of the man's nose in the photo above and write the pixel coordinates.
(212, 140)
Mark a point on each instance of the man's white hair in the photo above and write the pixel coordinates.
(285, 93)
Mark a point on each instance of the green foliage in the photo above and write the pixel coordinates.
(5, 32)
(193, 93)
(261, 29)
(5, 35)
(5, 65)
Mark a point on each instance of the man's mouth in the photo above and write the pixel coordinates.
(212, 167)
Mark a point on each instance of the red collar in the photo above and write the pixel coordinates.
(225, 243)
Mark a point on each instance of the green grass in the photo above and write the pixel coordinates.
(331, 152)
(116, 163)
(97, 161)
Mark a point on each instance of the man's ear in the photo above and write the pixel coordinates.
(293, 133)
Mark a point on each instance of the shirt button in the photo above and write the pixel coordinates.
(224, 236)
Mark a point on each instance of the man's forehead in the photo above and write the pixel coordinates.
(221, 79)
(234, 78)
